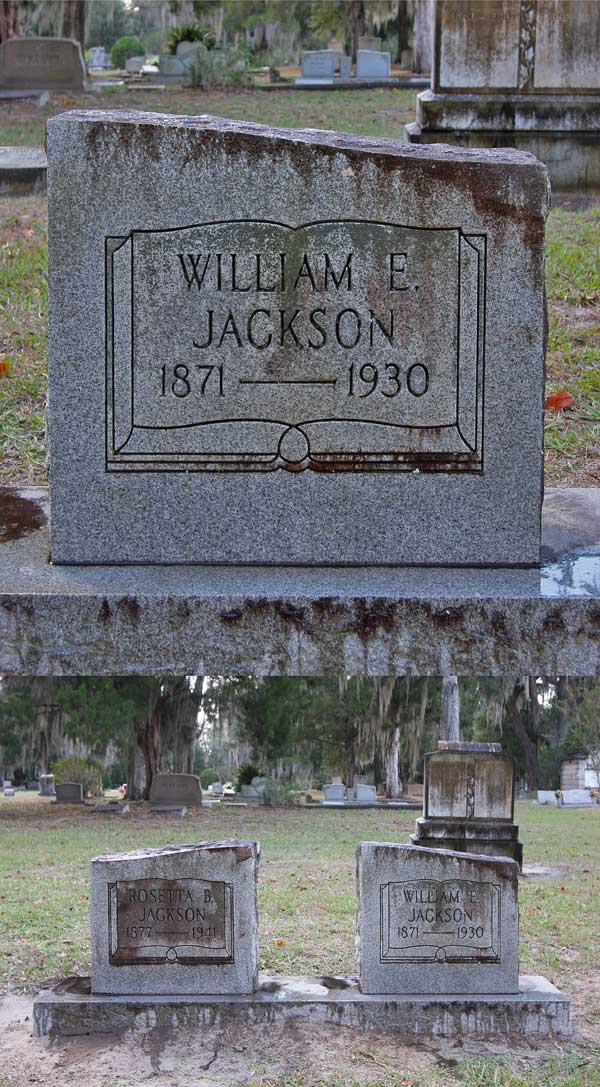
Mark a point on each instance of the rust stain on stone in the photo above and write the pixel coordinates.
(129, 606)
(19, 516)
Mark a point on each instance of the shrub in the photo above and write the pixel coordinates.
(208, 776)
(219, 68)
(246, 772)
(126, 47)
(193, 32)
(87, 772)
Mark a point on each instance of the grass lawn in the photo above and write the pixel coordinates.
(306, 899)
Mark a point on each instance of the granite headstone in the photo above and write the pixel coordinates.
(52, 64)
(178, 920)
(436, 921)
(314, 370)
(69, 792)
(175, 789)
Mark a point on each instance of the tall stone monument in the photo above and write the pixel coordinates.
(517, 73)
(468, 801)
(279, 346)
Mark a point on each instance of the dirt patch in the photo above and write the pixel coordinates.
(170, 1058)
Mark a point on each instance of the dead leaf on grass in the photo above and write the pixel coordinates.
(559, 401)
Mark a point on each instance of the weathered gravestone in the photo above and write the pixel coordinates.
(175, 789)
(468, 802)
(47, 785)
(46, 63)
(311, 370)
(576, 798)
(69, 792)
(372, 65)
(436, 921)
(573, 770)
(318, 65)
(518, 73)
(547, 796)
(334, 793)
(178, 920)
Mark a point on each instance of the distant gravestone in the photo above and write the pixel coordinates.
(47, 785)
(370, 42)
(175, 789)
(365, 794)
(547, 796)
(469, 801)
(98, 58)
(69, 792)
(171, 68)
(134, 65)
(576, 798)
(318, 65)
(335, 793)
(372, 65)
(178, 920)
(434, 921)
(251, 356)
(523, 75)
(46, 63)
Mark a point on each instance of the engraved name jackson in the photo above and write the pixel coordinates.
(450, 921)
(160, 921)
(343, 345)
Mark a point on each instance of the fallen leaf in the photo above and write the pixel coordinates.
(559, 401)
(280, 943)
(4, 368)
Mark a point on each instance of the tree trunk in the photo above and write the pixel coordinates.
(9, 19)
(149, 738)
(524, 716)
(135, 772)
(358, 19)
(350, 760)
(74, 13)
(392, 779)
(450, 721)
(402, 27)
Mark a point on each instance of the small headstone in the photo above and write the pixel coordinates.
(576, 797)
(170, 67)
(249, 792)
(318, 65)
(216, 788)
(69, 792)
(50, 64)
(435, 921)
(175, 789)
(98, 58)
(547, 796)
(241, 414)
(47, 785)
(178, 920)
(370, 42)
(335, 793)
(134, 65)
(372, 65)
(365, 794)
(7, 788)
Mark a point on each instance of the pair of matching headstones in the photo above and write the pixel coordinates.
(184, 920)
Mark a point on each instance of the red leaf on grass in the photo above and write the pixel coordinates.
(4, 368)
(559, 401)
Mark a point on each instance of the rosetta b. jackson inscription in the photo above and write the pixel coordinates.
(334, 346)
(158, 921)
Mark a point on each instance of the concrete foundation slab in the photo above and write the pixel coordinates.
(537, 1010)
(572, 158)
(188, 620)
(23, 171)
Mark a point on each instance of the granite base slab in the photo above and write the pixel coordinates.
(190, 620)
(23, 171)
(539, 1009)
(571, 158)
